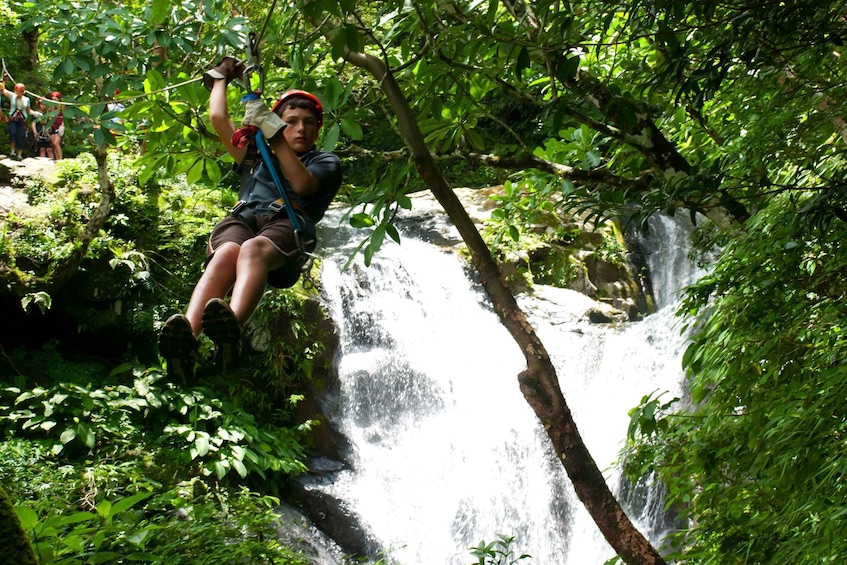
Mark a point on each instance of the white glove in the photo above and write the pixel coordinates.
(257, 114)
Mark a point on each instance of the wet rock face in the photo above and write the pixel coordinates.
(328, 513)
(296, 531)
(565, 252)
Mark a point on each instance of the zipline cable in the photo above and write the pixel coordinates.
(6, 73)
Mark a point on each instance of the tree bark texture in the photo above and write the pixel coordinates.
(539, 381)
(66, 269)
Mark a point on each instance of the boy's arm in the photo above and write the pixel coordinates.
(302, 181)
(221, 121)
(216, 80)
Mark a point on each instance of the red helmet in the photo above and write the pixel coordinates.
(289, 94)
(20, 86)
(56, 95)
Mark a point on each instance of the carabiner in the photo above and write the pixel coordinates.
(254, 66)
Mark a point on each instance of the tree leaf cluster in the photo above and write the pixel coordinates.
(753, 458)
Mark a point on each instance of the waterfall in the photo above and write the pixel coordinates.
(444, 451)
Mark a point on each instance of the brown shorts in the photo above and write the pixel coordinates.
(278, 230)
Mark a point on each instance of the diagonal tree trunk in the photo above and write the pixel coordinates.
(63, 271)
(538, 382)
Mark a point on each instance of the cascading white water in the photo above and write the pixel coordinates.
(445, 451)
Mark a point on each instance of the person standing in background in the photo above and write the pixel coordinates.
(57, 129)
(19, 107)
(41, 131)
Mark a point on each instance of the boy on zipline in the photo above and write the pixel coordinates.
(257, 244)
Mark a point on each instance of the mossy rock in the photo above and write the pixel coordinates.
(14, 545)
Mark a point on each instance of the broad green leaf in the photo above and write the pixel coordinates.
(331, 137)
(475, 139)
(361, 220)
(404, 201)
(104, 509)
(86, 434)
(352, 129)
(103, 557)
(219, 468)
(353, 38)
(99, 137)
(27, 516)
(68, 435)
(213, 170)
(75, 518)
(339, 44)
(377, 237)
(128, 502)
(201, 443)
(239, 468)
(196, 172)
(567, 69)
(159, 10)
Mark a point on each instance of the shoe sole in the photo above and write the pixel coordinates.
(178, 346)
(223, 328)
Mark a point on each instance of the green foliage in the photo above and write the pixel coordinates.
(116, 446)
(609, 110)
(93, 511)
(47, 232)
(183, 525)
(189, 427)
(497, 552)
(754, 459)
(649, 417)
(93, 534)
(121, 47)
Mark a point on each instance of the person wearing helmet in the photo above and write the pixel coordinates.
(57, 129)
(41, 131)
(19, 108)
(255, 245)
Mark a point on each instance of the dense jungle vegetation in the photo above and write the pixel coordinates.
(733, 112)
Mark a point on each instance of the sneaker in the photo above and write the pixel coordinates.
(224, 329)
(178, 346)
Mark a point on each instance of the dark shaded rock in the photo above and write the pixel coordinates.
(295, 531)
(331, 515)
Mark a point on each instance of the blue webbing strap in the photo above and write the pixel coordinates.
(266, 157)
